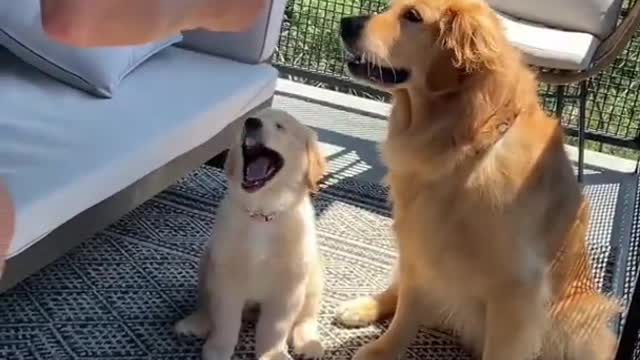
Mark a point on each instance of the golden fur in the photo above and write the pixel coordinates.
(489, 218)
(274, 264)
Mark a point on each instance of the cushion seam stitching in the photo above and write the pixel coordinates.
(88, 83)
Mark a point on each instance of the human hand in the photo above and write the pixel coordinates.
(125, 22)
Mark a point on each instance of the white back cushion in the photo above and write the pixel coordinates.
(98, 70)
(596, 17)
(252, 46)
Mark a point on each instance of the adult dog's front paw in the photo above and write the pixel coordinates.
(358, 312)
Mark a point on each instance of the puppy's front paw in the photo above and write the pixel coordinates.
(276, 355)
(196, 324)
(212, 352)
(311, 349)
(359, 312)
(305, 340)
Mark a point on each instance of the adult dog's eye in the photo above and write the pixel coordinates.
(412, 15)
(279, 126)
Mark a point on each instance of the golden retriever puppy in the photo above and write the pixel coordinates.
(489, 219)
(264, 248)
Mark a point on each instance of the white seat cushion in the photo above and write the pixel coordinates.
(63, 151)
(552, 48)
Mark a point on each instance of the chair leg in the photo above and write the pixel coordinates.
(560, 101)
(631, 328)
(582, 119)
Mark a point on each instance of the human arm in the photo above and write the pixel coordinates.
(125, 22)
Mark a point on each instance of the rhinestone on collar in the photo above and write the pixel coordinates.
(259, 215)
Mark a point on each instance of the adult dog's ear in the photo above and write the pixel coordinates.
(471, 32)
(316, 163)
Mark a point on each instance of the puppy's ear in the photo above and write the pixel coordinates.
(471, 32)
(316, 163)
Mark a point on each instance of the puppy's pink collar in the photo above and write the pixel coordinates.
(260, 216)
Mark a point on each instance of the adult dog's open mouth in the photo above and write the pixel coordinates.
(261, 164)
(360, 67)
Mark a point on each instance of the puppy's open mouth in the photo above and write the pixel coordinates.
(261, 164)
(361, 68)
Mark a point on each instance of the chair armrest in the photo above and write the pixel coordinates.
(253, 46)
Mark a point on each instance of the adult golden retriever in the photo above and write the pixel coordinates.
(489, 218)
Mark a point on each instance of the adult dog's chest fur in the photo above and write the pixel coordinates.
(472, 213)
(462, 246)
(450, 232)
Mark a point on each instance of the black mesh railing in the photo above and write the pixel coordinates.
(310, 51)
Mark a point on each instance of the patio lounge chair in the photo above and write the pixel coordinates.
(78, 157)
(569, 41)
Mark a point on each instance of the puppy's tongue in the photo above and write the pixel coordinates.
(258, 169)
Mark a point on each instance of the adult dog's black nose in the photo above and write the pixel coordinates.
(252, 124)
(351, 27)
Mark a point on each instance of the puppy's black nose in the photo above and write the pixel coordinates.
(351, 27)
(252, 124)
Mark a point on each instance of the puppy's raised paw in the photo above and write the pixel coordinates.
(196, 324)
(276, 355)
(372, 352)
(312, 349)
(305, 340)
(359, 312)
(211, 350)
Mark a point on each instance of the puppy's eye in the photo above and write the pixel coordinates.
(412, 15)
(279, 126)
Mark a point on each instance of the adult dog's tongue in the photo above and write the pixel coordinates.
(258, 169)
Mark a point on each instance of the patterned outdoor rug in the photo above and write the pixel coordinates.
(117, 295)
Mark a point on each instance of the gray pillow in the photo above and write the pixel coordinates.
(96, 70)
